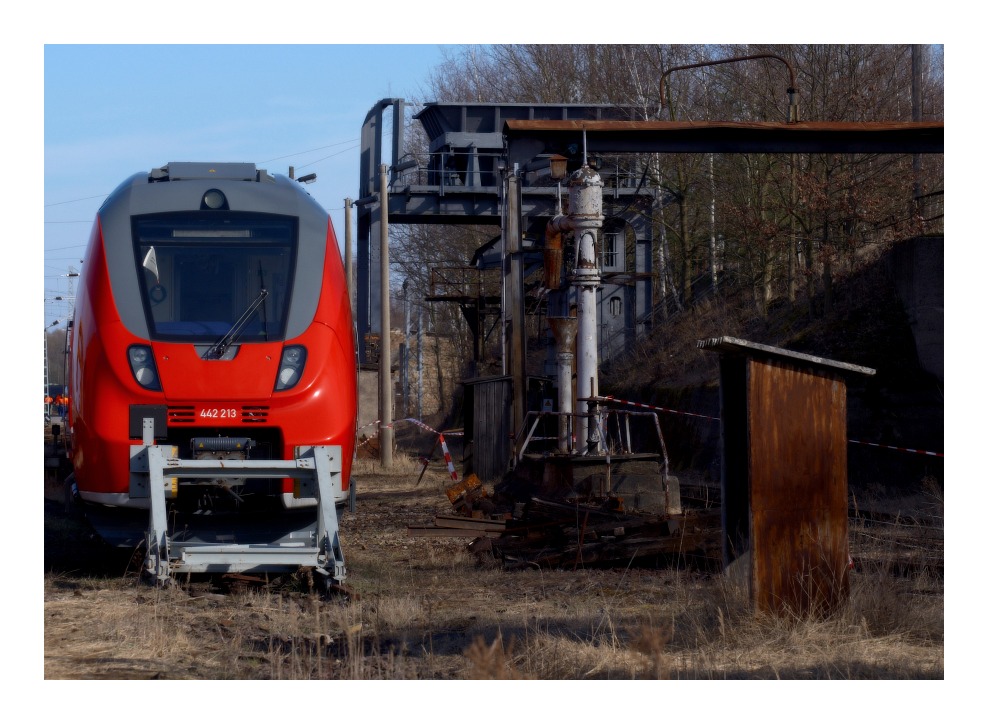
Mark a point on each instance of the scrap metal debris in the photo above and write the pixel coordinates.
(596, 531)
(558, 534)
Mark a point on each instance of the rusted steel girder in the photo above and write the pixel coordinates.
(527, 139)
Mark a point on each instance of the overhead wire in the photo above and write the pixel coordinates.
(311, 150)
(354, 141)
(318, 160)
(72, 201)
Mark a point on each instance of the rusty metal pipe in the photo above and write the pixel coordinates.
(791, 90)
(552, 254)
(564, 332)
(587, 218)
(585, 221)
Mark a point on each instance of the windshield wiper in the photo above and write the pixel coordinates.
(264, 311)
(221, 346)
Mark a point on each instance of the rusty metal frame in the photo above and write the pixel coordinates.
(534, 418)
(464, 283)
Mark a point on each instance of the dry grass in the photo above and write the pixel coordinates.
(427, 609)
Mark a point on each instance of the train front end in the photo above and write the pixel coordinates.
(213, 298)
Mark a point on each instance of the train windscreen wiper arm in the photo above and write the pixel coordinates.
(221, 346)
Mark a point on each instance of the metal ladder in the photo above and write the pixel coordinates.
(154, 472)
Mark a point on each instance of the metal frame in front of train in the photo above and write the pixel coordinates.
(318, 470)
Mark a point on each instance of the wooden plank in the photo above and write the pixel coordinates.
(431, 531)
(475, 524)
(576, 512)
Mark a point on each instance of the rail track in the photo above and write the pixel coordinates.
(904, 540)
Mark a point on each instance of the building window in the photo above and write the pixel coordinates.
(615, 306)
(611, 258)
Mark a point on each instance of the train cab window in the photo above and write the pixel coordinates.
(200, 274)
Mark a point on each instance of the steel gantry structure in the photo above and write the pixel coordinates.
(488, 164)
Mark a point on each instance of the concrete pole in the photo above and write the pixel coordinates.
(918, 73)
(47, 406)
(403, 353)
(348, 249)
(514, 255)
(384, 370)
(713, 228)
(418, 354)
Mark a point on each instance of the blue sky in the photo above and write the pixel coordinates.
(113, 110)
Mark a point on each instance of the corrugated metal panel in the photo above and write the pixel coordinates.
(797, 430)
(491, 424)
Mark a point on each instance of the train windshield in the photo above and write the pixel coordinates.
(202, 272)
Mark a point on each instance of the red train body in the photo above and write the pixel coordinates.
(215, 294)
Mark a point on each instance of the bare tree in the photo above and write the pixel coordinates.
(787, 222)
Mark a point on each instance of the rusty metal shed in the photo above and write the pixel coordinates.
(784, 473)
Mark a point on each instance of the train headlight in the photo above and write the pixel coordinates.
(214, 199)
(142, 367)
(290, 369)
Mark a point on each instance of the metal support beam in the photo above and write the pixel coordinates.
(529, 138)
(369, 212)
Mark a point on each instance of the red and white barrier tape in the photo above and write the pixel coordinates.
(708, 417)
(900, 449)
(369, 424)
(426, 427)
(660, 409)
(449, 462)
(447, 457)
(414, 421)
(442, 441)
(419, 423)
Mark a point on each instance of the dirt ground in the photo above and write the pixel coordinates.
(427, 608)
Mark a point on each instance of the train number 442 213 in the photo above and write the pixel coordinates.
(218, 412)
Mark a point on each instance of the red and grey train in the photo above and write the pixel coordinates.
(213, 295)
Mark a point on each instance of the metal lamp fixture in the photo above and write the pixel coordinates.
(557, 167)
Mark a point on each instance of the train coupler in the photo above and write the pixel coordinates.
(318, 469)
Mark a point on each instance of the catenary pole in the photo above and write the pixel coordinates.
(387, 432)
(348, 249)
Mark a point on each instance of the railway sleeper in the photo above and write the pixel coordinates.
(318, 470)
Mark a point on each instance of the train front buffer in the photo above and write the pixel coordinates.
(156, 472)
